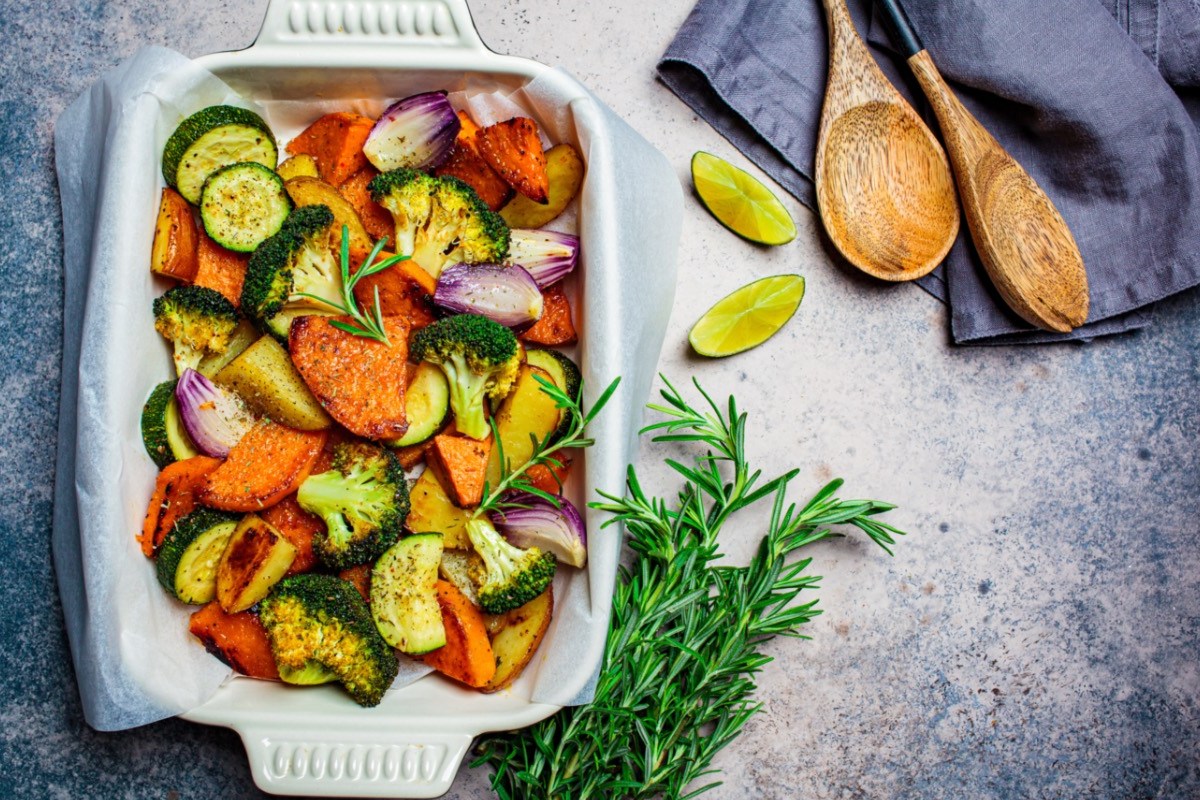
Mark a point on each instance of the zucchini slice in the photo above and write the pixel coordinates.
(404, 595)
(154, 424)
(163, 434)
(212, 138)
(426, 404)
(242, 205)
(565, 374)
(187, 560)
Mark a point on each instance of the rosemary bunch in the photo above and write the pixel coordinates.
(686, 636)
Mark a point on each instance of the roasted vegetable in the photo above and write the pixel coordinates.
(286, 268)
(433, 510)
(564, 169)
(426, 404)
(514, 576)
(264, 376)
(463, 462)
(363, 499)
(359, 381)
(526, 416)
(375, 218)
(237, 639)
(173, 253)
(555, 328)
(221, 269)
(212, 138)
(298, 166)
(508, 295)
(416, 132)
(313, 192)
(163, 433)
(335, 141)
(187, 560)
(267, 465)
(174, 497)
(299, 527)
(514, 149)
(440, 221)
(548, 256)
(537, 523)
(321, 621)
(243, 204)
(516, 636)
(255, 559)
(197, 320)
(480, 358)
(403, 596)
(466, 164)
(467, 654)
(215, 419)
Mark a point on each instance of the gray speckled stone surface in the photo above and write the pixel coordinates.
(1037, 634)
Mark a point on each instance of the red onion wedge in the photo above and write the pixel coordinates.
(508, 295)
(216, 419)
(556, 530)
(416, 132)
(549, 256)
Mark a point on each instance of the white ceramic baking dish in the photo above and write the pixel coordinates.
(314, 741)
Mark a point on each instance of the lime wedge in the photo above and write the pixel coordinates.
(740, 202)
(747, 317)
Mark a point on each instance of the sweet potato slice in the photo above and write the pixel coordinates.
(336, 142)
(220, 269)
(359, 381)
(469, 166)
(514, 150)
(555, 327)
(550, 479)
(413, 454)
(174, 497)
(173, 253)
(360, 576)
(467, 656)
(565, 169)
(405, 291)
(237, 639)
(375, 218)
(298, 527)
(268, 464)
(462, 463)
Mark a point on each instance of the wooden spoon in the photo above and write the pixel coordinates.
(1023, 241)
(884, 188)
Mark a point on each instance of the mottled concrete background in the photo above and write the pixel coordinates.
(1036, 636)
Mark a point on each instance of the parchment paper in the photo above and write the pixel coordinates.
(134, 658)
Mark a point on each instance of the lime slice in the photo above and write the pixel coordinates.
(747, 317)
(740, 202)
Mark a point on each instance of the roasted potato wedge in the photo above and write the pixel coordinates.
(256, 558)
(515, 637)
(564, 169)
(176, 239)
(432, 510)
(316, 192)
(526, 412)
(264, 376)
(299, 166)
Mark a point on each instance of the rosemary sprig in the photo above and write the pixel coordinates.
(685, 642)
(545, 451)
(370, 325)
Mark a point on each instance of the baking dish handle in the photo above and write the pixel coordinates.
(352, 763)
(415, 23)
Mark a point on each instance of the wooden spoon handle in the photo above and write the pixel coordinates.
(1023, 241)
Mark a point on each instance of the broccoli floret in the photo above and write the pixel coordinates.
(320, 622)
(198, 320)
(440, 221)
(363, 500)
(299, 259)
(514, 576)
(480, 357)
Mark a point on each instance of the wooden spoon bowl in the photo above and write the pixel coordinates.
(884, 187)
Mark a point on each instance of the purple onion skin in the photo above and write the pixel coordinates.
(549, 256)
(215, 418)
(556, 530)
(416, 132)
(508, 295)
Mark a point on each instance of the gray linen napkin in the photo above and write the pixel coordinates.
(1098, 99)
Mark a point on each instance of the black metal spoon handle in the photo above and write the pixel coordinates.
(900, 28)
